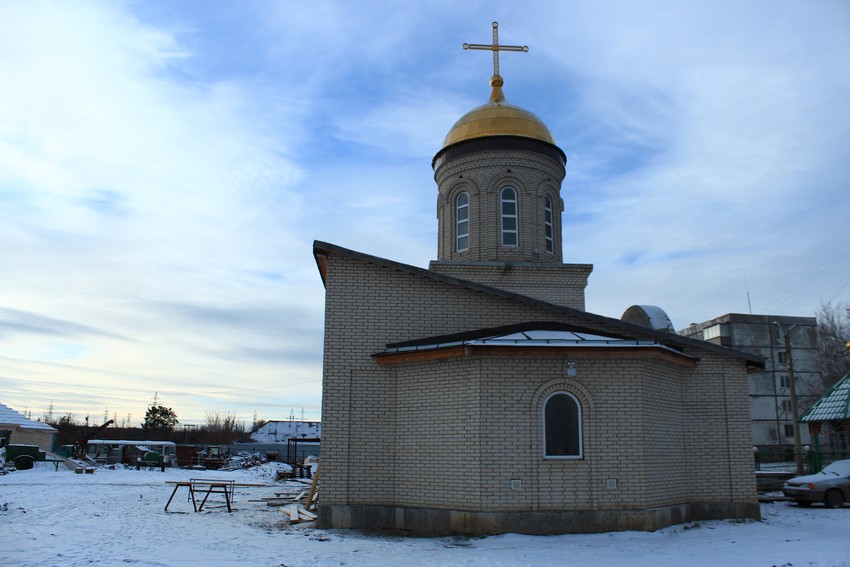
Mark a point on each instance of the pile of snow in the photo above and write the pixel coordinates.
(116, 517)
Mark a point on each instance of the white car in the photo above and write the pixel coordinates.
(830, 486)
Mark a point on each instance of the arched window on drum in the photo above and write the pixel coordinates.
(462, 222)
(510, 218)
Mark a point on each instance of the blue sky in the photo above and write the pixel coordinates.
(165, 167)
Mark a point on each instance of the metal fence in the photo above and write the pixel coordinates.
(786, 460)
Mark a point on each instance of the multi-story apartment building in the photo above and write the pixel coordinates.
(770, 395)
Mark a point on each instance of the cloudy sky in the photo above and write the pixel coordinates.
(165, 167)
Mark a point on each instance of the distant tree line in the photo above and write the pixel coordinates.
(160, 424)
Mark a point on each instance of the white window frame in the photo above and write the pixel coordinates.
(580, 454)
(514, 216)
(549, 230)
(462, 225)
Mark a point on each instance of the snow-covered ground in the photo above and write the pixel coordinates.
(116, 517)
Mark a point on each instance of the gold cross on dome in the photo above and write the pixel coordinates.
(495, 48)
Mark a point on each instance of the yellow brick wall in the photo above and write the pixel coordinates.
(452, 434)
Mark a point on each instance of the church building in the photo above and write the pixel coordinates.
(478, 396)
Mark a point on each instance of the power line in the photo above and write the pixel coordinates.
(840, 289)
(827, 264)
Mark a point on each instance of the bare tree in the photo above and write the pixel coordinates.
(833, 342)
(222, 427)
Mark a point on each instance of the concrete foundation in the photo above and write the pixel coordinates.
(436, 521)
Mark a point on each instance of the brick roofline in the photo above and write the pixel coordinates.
(629, 330)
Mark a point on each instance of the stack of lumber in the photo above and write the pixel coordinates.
(284, 498)
(300, 504)
(298, 513)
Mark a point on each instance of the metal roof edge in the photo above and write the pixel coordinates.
(325, 248)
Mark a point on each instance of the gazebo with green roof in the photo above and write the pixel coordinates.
(833, 408)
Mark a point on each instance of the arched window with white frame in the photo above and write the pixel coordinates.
(510, 224)
(562, 427)
(549, 230)
(462, 222)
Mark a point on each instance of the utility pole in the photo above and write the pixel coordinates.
(792, 387)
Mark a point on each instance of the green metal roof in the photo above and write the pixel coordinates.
(832, 406)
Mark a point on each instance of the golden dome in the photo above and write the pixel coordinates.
(498, 118)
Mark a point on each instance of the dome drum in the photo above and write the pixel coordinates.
(499, 176)
(500, 142)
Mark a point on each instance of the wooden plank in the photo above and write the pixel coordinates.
(313, 494)
(296, 495)
(292, 510)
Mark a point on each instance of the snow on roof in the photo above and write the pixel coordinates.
(658, 318)
(650, 316)
(280, 431)
(833, 405)
(543, 338)
(8, 416)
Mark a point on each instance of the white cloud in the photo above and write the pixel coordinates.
(165, 167)
(129, 182)
(721, 142)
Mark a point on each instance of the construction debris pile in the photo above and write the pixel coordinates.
(299, 504)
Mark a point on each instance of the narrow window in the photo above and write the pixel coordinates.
(550, 240)
(562, 426)
(780, 356)
(509, 217)
(462, 217)
(788, 430)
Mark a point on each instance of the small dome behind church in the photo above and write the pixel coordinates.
(648, 316)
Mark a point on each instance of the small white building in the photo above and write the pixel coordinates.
(290, 440)
(282, 431)
(26, 431)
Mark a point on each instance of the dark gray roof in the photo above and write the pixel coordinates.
(533, 334)
(590, 322)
